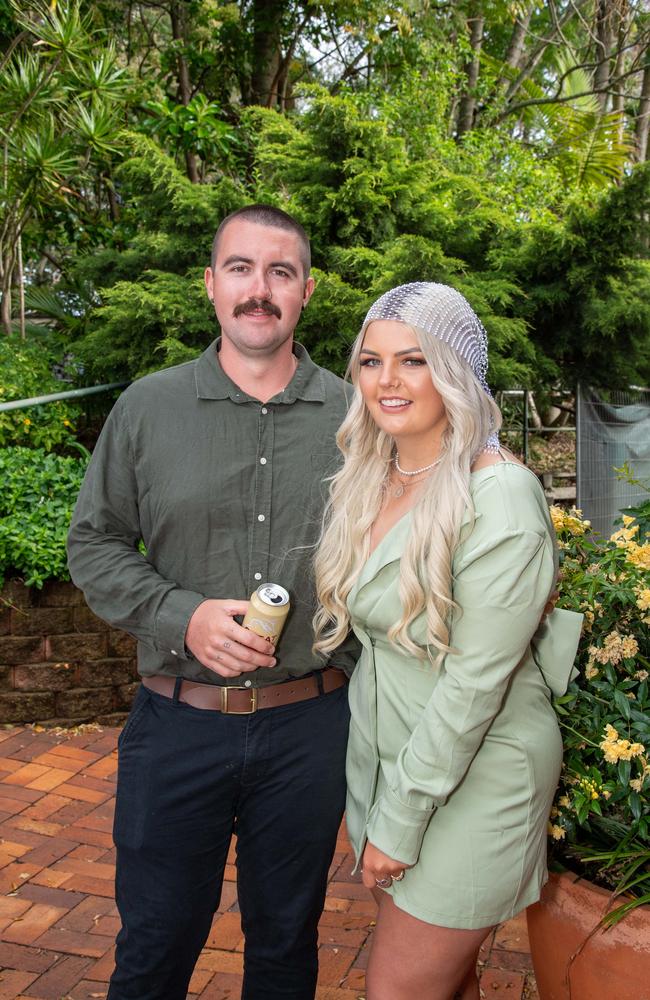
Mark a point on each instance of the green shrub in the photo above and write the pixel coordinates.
(601, 817)
(26, 371)
(37, 495)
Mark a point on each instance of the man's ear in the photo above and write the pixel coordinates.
(310, 285)
(208, 277)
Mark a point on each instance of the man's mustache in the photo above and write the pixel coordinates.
(252, 304)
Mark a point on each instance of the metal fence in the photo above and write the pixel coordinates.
(613, 431)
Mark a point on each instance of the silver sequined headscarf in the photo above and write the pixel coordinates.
(444, 313)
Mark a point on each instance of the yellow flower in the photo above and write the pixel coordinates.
(641, 675)
(571, 521)
(629, 647)
(565, 802)
(643, 599)
(610, 752)
(624, 536)
(637, 783)
(614, 649)
(66, 423)
(556, 832)
(27, 421)
(639, 555)
(627, 520)
(591, 672)
(615, 749)
(606, 794)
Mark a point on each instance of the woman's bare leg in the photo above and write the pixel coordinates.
(410, 958)
(469, 989)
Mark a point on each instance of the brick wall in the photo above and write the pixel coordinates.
(59, 664)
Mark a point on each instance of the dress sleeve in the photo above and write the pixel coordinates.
(119, 583)
(501, 586)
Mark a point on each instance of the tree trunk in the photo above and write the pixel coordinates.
(604, 37)
(467, 106)
(177, 15)
(267, 54)
(529, 65)
(518, 39)
(643, 117)
(618, 97)
(5, 305)
(21, 289)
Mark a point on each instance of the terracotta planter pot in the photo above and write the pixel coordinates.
(575, 961)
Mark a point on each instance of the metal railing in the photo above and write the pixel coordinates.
(52, 397)
(526, 428)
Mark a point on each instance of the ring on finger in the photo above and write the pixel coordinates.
(398, 878)
(227, 644)
(384, 883)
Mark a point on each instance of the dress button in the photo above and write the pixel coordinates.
(257, 576)
(173, 652)
(247, 684)
(264, 410)
(262, 461)
(260, 517)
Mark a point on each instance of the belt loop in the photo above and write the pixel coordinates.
(177, 690)
(319, 682)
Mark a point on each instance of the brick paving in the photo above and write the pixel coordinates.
(58, 918)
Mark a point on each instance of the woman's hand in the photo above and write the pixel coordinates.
(378, 870)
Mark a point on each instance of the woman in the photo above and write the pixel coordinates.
(439, 552)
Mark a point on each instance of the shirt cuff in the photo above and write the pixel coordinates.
(554, 648)
(172, 621)
(398, 829)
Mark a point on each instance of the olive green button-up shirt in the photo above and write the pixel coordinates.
(226, 493)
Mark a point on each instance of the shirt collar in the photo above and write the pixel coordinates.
(308, 381)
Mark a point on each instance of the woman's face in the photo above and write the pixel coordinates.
(397, 389)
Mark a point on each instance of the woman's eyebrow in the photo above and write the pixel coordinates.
(398, 354)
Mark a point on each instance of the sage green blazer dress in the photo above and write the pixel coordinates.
(452, 769)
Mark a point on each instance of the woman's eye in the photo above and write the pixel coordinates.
(369, 362)
(415, 362)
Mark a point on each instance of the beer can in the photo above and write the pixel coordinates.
(267, 612)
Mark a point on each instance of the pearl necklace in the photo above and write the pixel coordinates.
(415, 472)
(398, 491)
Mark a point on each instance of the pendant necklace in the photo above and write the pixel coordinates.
(399, 490)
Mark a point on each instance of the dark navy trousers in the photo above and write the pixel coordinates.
(188, 779)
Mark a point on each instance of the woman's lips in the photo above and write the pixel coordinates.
(394, 404)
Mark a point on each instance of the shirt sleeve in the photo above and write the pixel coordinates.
(119, 583)
(500, 587)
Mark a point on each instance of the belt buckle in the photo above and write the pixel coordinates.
(233, 711)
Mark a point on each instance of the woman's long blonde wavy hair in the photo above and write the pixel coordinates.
(357, 493)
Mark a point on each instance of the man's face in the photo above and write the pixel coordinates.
(258, 286)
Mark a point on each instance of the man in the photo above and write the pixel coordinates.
(218, 467)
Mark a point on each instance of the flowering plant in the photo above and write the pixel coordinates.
(601, 816)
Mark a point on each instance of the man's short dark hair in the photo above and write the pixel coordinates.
(267, 215)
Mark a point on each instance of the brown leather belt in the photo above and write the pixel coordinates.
(246, 700)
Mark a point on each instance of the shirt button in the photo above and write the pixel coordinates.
(264, 410)
(262, 461)
(260, 517)
(257, 576)
(247, 684)
(173, 652)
